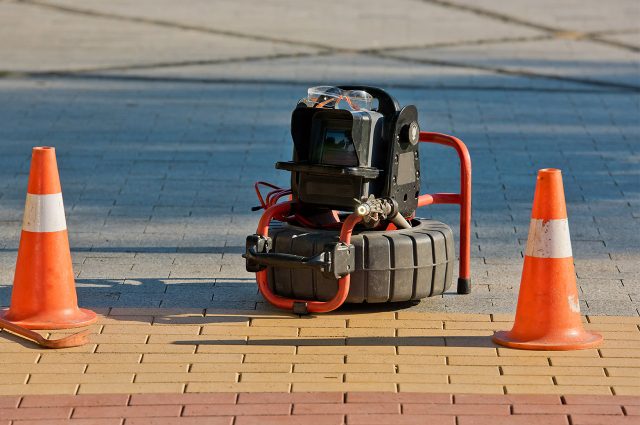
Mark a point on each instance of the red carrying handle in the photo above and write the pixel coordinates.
(279, 212)
(463, 199)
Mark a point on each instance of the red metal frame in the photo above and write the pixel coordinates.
(463, 199)
(283, 210)
(280, 211)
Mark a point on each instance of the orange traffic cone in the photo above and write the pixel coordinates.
(44, 293)
(548, 312)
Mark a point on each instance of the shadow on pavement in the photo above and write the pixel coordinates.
(434, 341)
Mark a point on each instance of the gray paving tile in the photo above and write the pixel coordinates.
(158, 151)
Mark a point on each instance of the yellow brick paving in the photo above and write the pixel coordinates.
(161, 350)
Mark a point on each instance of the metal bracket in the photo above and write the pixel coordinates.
(300, 307)
(336, 260)
(257, 244)
(340, 260)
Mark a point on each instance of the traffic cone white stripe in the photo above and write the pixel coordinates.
(44, 213)
(549, 239)
(548, 312)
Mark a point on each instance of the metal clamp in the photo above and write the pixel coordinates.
(335, 261)
(373, 210)
(308, 306)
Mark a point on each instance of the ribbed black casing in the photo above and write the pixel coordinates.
(398, 265)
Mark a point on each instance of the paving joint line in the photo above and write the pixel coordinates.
(516, 72)
(491, 14)
(613, 43)
(461, 43)
(606, 88)
(160, 65)
(174, 25)
(615, 32)
(326, 49)
(255, 37)
(559, 32)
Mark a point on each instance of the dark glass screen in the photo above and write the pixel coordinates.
(338, 148)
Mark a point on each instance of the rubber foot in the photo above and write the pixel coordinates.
(464, 285)
(300, 308)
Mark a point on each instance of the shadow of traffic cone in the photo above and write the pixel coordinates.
(548, 312)
(44, 292)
